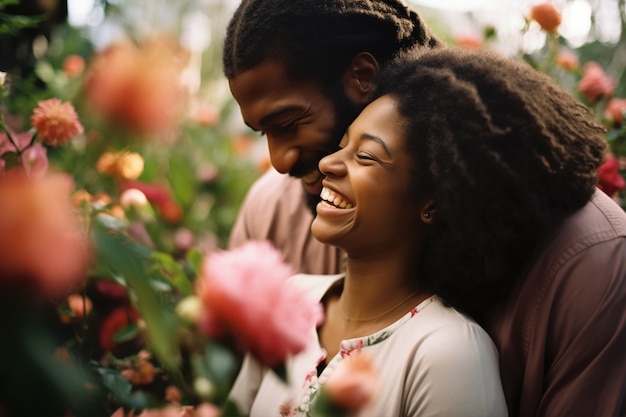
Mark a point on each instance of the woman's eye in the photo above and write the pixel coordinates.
(364, 156)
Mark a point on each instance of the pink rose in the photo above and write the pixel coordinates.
(594, 83)
(246, 293)
(615, 109)
(354, 384)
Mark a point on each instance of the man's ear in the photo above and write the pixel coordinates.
(360, 77)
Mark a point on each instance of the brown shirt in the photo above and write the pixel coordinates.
(274, 209)
(562, 335)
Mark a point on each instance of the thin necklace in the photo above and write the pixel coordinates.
(384, 313)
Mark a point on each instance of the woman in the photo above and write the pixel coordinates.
(387, 203)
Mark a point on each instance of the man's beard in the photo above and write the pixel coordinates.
(345, 113)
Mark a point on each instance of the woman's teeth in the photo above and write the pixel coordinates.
(334, 199)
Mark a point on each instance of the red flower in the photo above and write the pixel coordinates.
(610, 180)
(118, 319)
(547, 16)
(56, 122)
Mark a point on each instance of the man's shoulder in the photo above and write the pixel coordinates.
(272, 180)
(600, 220)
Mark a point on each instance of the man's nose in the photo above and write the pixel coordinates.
(282, 155)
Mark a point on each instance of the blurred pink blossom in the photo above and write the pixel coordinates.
(41, 241)
(567, 59)
(594, 83)
(138, 86)
(74, 65)
(35, 161)
(56, 122)
(246, 294)
(354, 384)
(615, 109)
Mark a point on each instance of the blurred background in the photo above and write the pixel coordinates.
(156, 161)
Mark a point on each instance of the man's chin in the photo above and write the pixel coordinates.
(311, 201)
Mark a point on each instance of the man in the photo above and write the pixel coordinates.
(301, 71)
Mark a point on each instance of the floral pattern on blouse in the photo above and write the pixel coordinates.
(312, 383)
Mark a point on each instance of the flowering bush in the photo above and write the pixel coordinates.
(581, 70)
(113, 190)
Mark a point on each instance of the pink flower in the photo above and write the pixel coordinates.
(610, 180)
(35, 161)
(470, 41)
(79, 306)
(56, 122)
(567, 60)
(594, 83)
(74, 65)
(160, 197)
(547, 16)
(354, 384)
(42, 247)
(615, 109)
(246, 293)
(138, 86)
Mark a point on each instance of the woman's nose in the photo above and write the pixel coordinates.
(332, 164)
(282, 155)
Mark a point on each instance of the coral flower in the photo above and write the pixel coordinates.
(470, 42)
(246, 294)
(610, 181)
(594, 83)
(615, 109)
(567, 60)
(547, 16)
(42, 248)
(354, 383)
(121, 165)
(56, 122)
(138, 86)
(74, 65)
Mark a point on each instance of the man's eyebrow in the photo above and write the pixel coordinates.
(367, 136)
(265, 120)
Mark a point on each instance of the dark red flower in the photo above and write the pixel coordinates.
(610, 180)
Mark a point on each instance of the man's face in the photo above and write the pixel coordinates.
(301, 122)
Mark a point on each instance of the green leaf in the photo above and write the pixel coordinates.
(113, 381)
(230, 409)
(182, 179)
(120, 255)
(194, 260)
(126, 334)
(174, 272)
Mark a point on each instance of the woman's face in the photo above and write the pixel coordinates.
(367, 200)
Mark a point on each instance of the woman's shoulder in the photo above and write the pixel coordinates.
(450, 332)
(316, 285)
